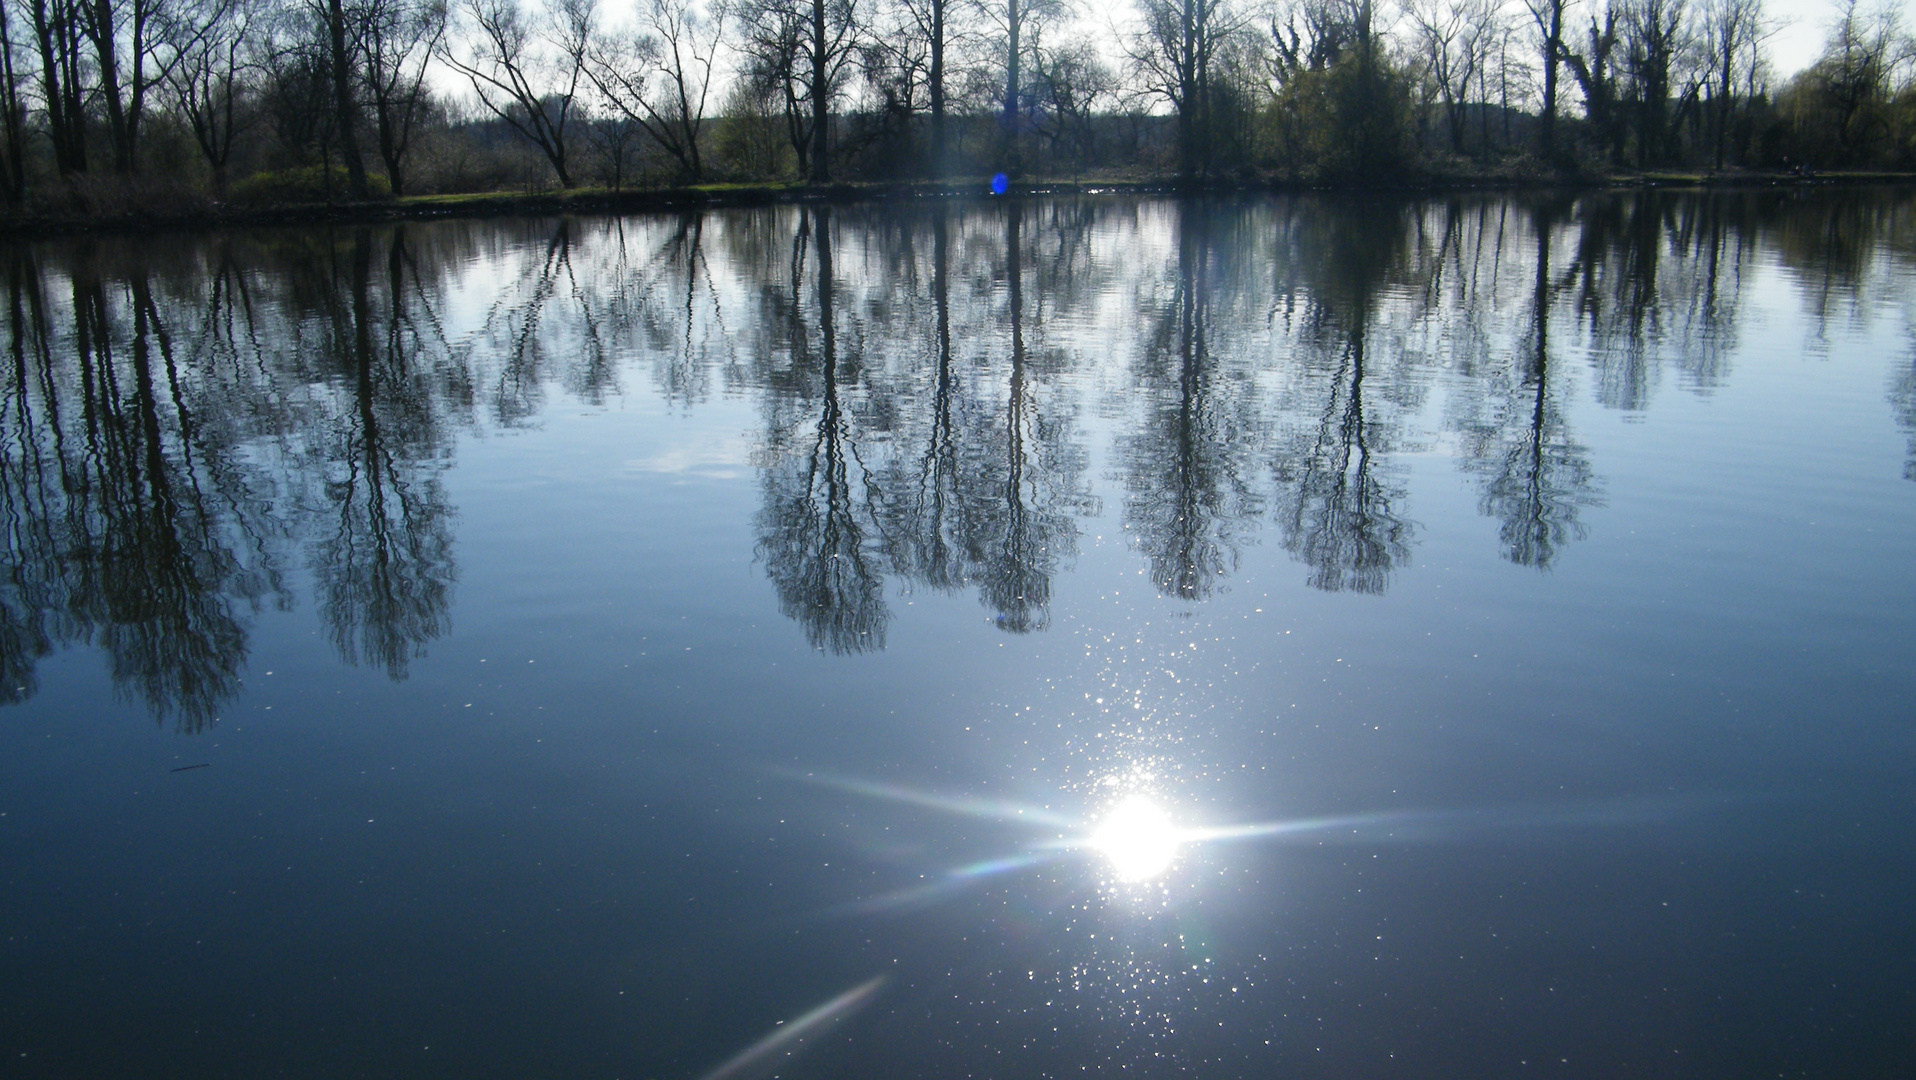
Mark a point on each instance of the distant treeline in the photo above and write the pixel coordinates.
(125, 106)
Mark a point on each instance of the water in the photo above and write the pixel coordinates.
(1278, 636)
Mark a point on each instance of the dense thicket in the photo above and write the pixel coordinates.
(121, 105)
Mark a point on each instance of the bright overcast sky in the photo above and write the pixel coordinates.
(1803, 26)
(1806, 25)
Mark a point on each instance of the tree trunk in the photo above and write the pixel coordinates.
(58, 34)
(1011, 73)
(390, 150)
(1723, 103)
(1483, 111)
(940, 160)
(821, 107)
(105, 34)
(343, 109)
(1187, 91)
(1552, 51)
(15, 180)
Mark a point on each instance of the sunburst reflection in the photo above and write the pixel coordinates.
(1138, 839)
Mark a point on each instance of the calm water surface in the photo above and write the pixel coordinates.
(1126, 637)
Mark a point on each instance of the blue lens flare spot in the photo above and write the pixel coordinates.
(1000, 184)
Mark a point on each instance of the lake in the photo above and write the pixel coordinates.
(1105, 635)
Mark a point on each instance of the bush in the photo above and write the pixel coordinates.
(312, 184)
(1364, 131)
(749, 140)
(1347, 123)
(110, 196)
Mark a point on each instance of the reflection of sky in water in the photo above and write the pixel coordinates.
(595, 666)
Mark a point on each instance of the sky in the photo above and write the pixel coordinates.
(1805, 24)
(1802, 26)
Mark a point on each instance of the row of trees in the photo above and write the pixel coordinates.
(186, 434)
(373, 96)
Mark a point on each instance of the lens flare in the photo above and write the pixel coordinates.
(1138, 838)
(768, 1055)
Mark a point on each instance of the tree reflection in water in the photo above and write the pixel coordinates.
(923, 520)
(889, 452)
(181, 423)
(1337, 494)
(116, 495)
(1025, 485)
(384, 569)
(811, 534)
(157, 459)
(1190, 470)
(1535, 475)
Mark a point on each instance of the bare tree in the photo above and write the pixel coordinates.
(908, 56)
(64, 75)
(209, 84)
(1512, 75)
(921, 38)
(1341, 102)
(1310, 35)
(1177, 57)
(1070, 85)
(1655, 39)
(661, 74)
(339, 54)
(1456, 39)
(13, 116)
(296, 88)
(771, 35)
(1548, 17)
(804, 49)
(1596, 70)
(136, 46)
(896, 64)
(397, 39)
(617, 138)
(829, 48)
(1020, 22)
(1849, 85)
(1733, 33)
(528, 77)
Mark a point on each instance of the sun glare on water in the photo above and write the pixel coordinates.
(1138, 838)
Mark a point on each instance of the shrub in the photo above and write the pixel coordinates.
(1348, 122)
(110, 196)
(311, 184)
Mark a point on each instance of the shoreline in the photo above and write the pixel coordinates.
(723, 196)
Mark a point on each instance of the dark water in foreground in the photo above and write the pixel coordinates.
(717, 646)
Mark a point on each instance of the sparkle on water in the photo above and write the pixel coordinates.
(1138, 838)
